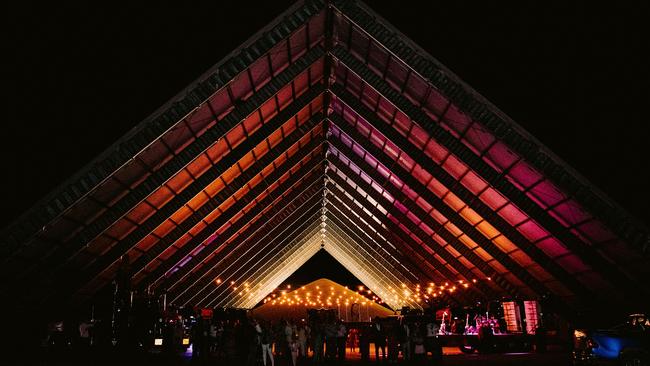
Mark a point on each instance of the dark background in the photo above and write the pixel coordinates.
(79, 76)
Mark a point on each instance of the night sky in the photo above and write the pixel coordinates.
(76, 77)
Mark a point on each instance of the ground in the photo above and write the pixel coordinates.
(451, 358)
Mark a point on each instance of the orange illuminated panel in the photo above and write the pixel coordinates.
(213, 188)
(268, 109)
(241, 193)
(452, 251)
(181, 180)
(467, 241)
(493, 199)
(504, 244)
(196, 229)
(498, 267)
(255, 180)
(284, 96)
(532, 231)
(164, 228)
(227, 203)
(261, 149)
(140, 212)
(197, 201)
(470, 215)
(212, 215)
(183, 240)
(483, 254)
(439, 217)
(120, 229)
(229, 175)
(521, 258)
(246, 161)
(236, 135)
(453, 229)
(167, 253)
(453, 201)
(465, 262)
(199, 166)
(218, 150)
(473, 182)
(488, 230)
(146, 243)
(181, 214)
(252, 123)
(437, 188)
(276, 136)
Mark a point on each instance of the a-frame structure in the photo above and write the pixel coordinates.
(328, 128)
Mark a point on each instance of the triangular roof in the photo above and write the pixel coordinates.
(293, 304)
(328, 127)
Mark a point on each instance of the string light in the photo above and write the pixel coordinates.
(411, 293)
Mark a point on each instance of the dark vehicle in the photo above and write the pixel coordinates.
(626, 344)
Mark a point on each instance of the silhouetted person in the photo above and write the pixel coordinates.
(380, 340)
(364, 343)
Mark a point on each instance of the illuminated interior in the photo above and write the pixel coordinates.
(331, 129)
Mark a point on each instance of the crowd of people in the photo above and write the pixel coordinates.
(298, 342)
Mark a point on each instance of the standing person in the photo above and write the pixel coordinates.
(302, 340)
(265, 339)
(317, 342)
(380, 340)
(392, 335)
(431, 341)
(341, 337)
(353, 339)
(419, 350)
(405, 340)
(288, 337)
(294, 349)
(330, 340)
(364, 343)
